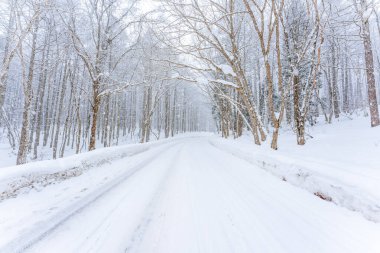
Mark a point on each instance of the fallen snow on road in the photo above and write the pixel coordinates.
(193, 194)
(15, 180)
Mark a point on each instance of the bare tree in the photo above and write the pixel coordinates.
(27, 87)
(106, 29)
(364, 11)
(16, 33)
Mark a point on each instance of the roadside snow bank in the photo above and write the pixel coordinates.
(19, 179)
(340, 164)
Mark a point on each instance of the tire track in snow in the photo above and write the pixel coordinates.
(143, 225)
(42, 229)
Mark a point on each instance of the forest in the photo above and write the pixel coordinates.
(77, 75)
(189, 126)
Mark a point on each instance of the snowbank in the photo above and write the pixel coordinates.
(20, 179)
(340, 164)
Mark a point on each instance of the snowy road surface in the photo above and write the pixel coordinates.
(184, 196)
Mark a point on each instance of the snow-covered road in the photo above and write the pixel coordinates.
(184, 196)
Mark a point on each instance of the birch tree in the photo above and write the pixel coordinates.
(364, 10)
(106, 30)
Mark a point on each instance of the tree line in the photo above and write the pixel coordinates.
(82, 74)
(270, 63)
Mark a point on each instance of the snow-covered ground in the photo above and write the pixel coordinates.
(8, 156)
(200, 193)
(341, 163)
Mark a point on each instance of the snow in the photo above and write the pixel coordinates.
(224, 82)
(22, 178)
(341, 162)
(367, 14)
(202, 80)
(227, 70)
(200, 193)
(7, 156)
(205, 81)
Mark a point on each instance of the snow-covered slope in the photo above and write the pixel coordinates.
(341, 163)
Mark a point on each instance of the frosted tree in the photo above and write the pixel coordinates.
(27, 79)
(303, 38)
(364, 10)
(216, 48)
(17, 30)
(106, 29)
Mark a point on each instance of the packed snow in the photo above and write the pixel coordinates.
(199, 193)
(180, 126)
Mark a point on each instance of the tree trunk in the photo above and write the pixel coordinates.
(334, 88)
(23, 147)
(299, 120)
(40, 106)
(274, 143)
(372, 100)
(167, 113)
(59, 111)
(6, 60)
(95, 110)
